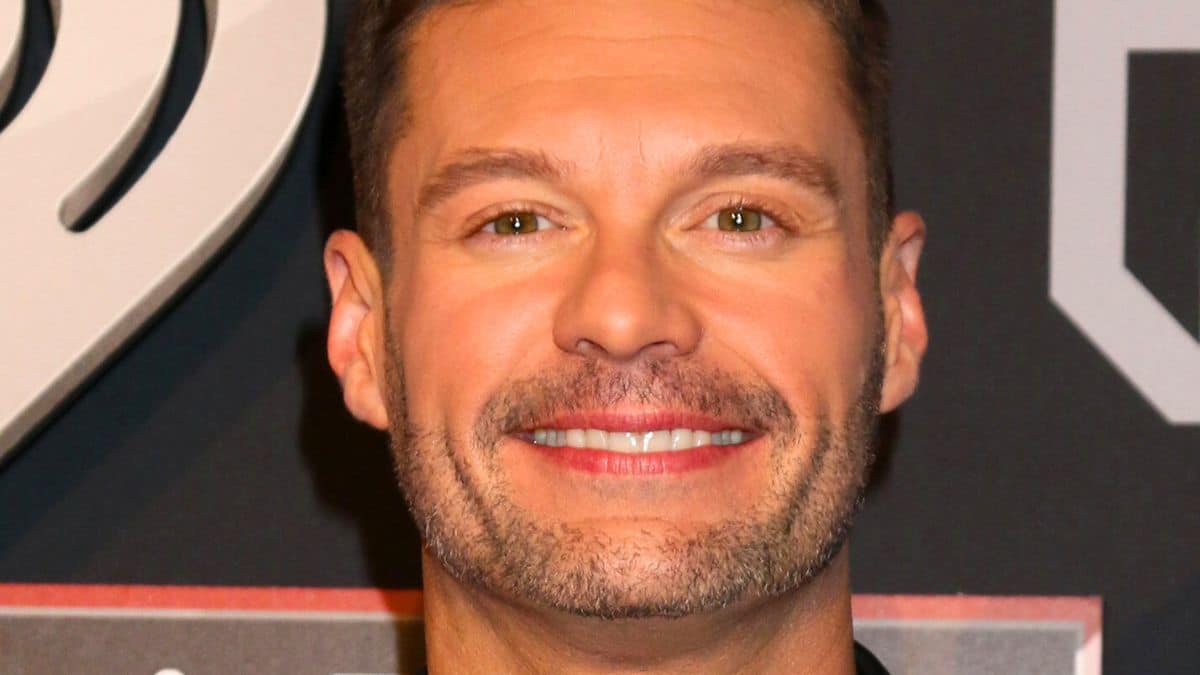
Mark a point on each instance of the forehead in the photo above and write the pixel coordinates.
(596, 77)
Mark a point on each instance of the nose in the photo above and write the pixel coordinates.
(626, 303)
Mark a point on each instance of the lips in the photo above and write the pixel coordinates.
(637, 442)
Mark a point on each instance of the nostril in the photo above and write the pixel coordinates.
(660, 349)
(588, 348)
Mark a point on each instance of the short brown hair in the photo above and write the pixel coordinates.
(375, 57)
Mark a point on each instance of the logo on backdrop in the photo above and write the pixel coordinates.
(73, 298)
(1089, 279)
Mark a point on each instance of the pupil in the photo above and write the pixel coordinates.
(518, 223)
(739, 220)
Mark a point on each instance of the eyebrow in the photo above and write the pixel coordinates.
(786, 162)
(480, 165)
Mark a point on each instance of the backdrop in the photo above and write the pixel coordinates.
(1041, 455)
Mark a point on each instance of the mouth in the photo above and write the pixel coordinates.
(639, 443)
(636, 442)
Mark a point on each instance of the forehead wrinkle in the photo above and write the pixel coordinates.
(602, 32)
(564, 57)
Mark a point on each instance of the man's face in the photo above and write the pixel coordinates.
(616, 219)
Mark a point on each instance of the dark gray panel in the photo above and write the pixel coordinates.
(1162, 244)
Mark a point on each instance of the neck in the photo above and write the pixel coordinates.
(807, 630)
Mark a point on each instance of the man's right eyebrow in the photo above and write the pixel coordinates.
(479, 165)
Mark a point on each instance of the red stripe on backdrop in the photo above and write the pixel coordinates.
(1083, 610)
(403, 603)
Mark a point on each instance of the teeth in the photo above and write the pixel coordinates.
(594, 438)
(657, 441)
(681, 439)
(636, 441)
(623, 442)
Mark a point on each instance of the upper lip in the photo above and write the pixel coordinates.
(637, 420)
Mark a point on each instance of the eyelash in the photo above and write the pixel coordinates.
(740, 239)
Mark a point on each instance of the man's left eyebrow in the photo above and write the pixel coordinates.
(479, 165)
(785, 162)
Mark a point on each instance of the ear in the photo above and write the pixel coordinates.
(355, 344)
(904, 319)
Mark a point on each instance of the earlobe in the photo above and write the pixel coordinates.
(905, 332)
(354, 346)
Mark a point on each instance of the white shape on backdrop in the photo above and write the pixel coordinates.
(92, 107)
(1088, 278)
(71, 299)
(12, 22)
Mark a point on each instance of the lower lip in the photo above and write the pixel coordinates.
(593, 461)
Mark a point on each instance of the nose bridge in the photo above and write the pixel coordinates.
(623, 302)
(622, 243)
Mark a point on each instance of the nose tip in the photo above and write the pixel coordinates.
(627, 305)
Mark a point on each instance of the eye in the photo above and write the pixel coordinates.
(739, 219)
(517, 222)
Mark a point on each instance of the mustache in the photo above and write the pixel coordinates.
(671, 383)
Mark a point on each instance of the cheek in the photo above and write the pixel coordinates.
(466, 331)
(806, 328)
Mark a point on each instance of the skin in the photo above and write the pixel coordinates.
(620, 97)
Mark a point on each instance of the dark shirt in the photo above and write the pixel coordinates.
(865, 663)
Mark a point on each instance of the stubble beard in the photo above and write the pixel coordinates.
(482, 538)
